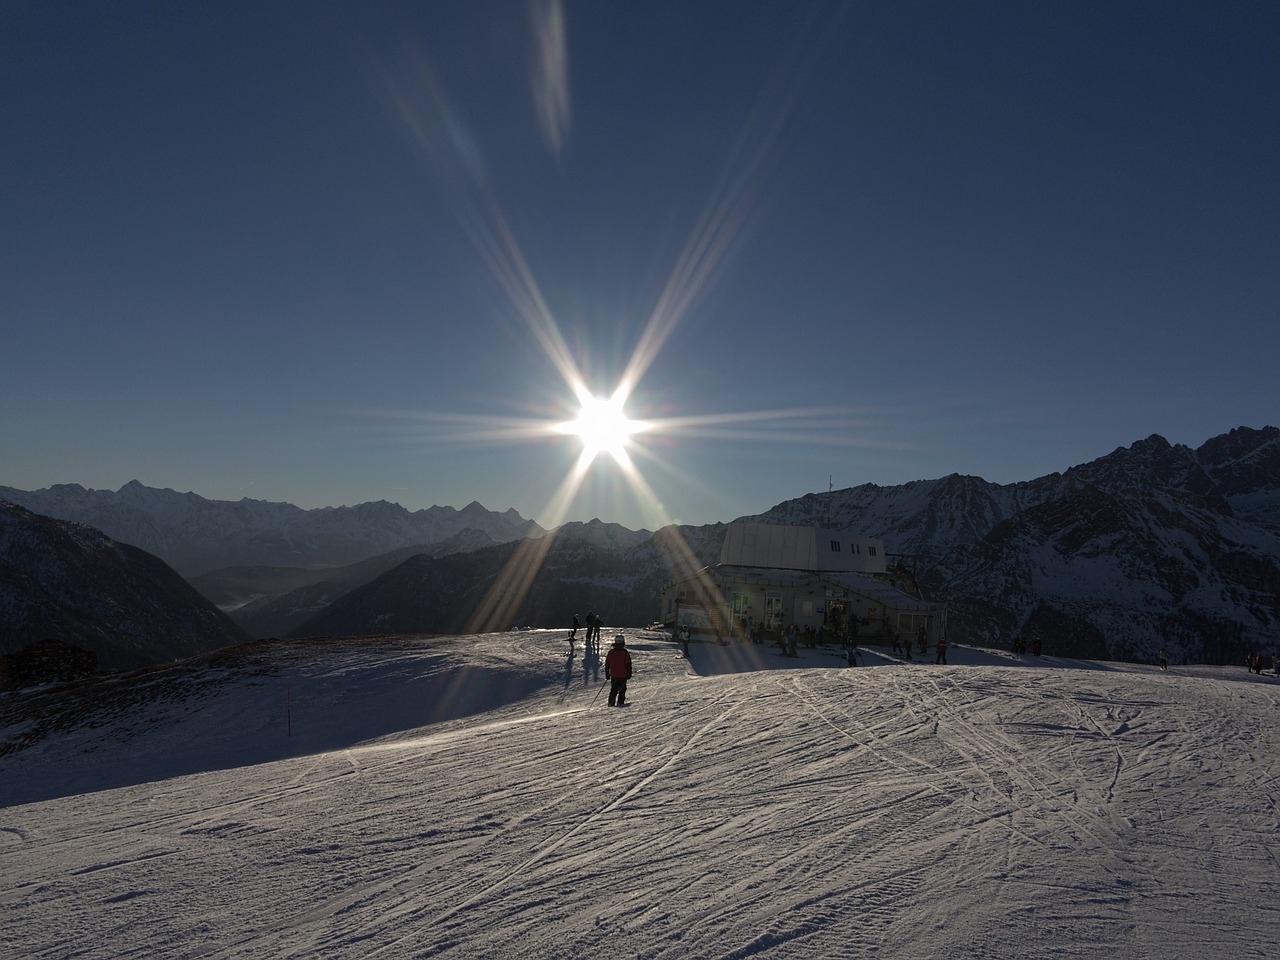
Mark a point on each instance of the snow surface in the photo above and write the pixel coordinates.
(471, 797)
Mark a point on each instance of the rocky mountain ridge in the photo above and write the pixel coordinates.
(1153, 545)
(195, 535)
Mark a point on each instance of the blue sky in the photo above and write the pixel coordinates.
(328, 252)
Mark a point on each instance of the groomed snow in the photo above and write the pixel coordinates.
(467, 798)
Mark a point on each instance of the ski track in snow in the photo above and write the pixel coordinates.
(969, 811)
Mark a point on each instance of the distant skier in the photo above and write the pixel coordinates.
(617, 670)
(942, 651)
(684, 641)
(851, 653)
(1164, 660)
(574, 632)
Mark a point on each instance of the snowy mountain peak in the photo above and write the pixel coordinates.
(1244, 463)
(608, 535)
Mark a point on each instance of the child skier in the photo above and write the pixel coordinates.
(617, 670)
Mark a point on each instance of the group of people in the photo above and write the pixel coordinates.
(1020, 646)
(1256, 662)
(809, 636)
(903, 645)
(592, 639)
(788, 641)
(617, 662)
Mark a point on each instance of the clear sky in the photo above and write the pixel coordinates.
(331, 252)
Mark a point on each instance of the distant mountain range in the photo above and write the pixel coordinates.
(1152, 545)
(194, 535)
(581, 568)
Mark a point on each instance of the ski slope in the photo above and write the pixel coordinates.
(466, 798)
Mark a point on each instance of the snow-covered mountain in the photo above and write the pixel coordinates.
(611, 537)
(195, 535)
(69, 582)
(1153, 545)
(464, 797)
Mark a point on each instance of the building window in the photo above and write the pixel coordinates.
(871, 550)
(773, 614)
(835, 546)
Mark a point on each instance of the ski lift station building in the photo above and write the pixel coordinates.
(775, 575)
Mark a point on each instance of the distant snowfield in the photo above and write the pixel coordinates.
(471, 798)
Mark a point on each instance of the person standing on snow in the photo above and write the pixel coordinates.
(617, 670)
(1164, 661)
(942, 652)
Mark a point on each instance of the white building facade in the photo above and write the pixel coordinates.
(834, 583)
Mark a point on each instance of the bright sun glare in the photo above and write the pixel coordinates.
(603, 426)
(601, 423)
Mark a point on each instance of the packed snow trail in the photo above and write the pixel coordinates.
(803, 811)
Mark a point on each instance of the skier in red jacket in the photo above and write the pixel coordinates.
(617, 669)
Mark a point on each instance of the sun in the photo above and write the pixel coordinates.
(603, 426)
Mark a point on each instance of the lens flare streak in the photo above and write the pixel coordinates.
(601, 425)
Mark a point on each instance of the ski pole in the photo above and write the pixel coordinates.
(598, 692)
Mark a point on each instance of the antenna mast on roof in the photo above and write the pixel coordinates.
(829, 486)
